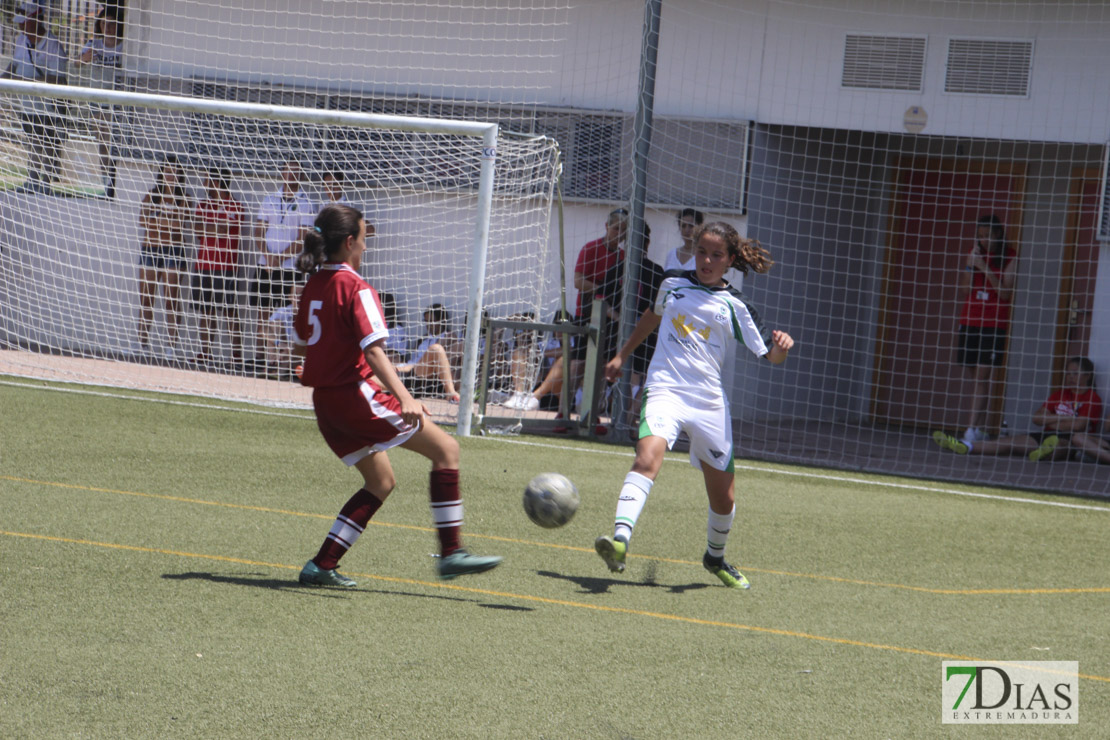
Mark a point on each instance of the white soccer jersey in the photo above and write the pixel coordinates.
(697, 324)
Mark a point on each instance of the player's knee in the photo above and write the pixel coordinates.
(446, 454)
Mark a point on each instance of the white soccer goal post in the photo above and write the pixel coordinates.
(460, 215)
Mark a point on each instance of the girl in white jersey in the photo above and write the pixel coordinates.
(697, 313)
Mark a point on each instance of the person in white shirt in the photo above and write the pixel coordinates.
(282, 219)
(331, 186)
(38, 57)
(682, 256)
(698, 314)
(99, 65)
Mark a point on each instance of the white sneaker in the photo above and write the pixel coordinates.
(973, 435)
(496, 397)
(514, 401)
(531, 403)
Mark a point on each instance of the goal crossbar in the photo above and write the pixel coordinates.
(487, 132)
(296, 114)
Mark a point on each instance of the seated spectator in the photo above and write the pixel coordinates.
(1073, 410)
(1092, 445)
(545, 394)
(430, 370)
(437, 323)
(279, 337)
(398, 346)
(511, 360)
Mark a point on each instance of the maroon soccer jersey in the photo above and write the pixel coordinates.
(339, 316)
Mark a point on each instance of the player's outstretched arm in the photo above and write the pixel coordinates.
(781, 342)
(648, 323)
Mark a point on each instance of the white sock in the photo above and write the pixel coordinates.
(633, 496)
(717, 530)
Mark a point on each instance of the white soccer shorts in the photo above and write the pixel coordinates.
(707, 424)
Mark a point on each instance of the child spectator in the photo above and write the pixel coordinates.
(279, 339)
(217, 226)
(1075, 409)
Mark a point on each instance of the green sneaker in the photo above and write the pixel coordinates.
(1048, 446)
(314, 575)
(461, 563)
(948, 442)
(612, 551)
(728, 575)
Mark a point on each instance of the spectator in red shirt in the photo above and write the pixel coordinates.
(1070, 412)
(595, 260)
(363, 409)
(987, 286)
(219, 219)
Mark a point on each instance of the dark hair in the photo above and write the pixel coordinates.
(179, 196)
(389, 307)
(747, 254)
(333, 174)
(221, 176)
(698, 216)
(999, 249)
(329, 233)
(438, 313)
(109, 13)
(1085, 366)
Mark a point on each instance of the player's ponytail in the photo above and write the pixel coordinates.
(747, 254)
(328, 234)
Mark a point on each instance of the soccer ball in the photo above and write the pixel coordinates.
(550, 500)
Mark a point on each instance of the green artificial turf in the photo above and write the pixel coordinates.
(149, 553)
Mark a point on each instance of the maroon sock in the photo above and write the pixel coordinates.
(348, 526)
(447, 510)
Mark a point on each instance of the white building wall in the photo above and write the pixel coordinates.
(775, 62)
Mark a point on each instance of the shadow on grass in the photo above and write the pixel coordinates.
(274, 584)
(595, 585)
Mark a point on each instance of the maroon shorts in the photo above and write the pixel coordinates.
(359, 419)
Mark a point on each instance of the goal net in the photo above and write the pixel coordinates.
(174, 272)
(860, 142)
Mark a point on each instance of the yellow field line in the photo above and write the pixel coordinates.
(536, 599)
(573, 548)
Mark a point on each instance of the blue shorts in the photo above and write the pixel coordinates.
(163, 259)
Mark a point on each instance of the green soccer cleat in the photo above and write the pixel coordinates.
(461, 563)
(1048, 446)
(314, 575)
(612, 551)
(950, 443)
(728, 575)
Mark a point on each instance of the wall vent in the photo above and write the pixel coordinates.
(983, 67)
(883, 62)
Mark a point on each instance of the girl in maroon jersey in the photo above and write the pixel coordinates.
(362, 407)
